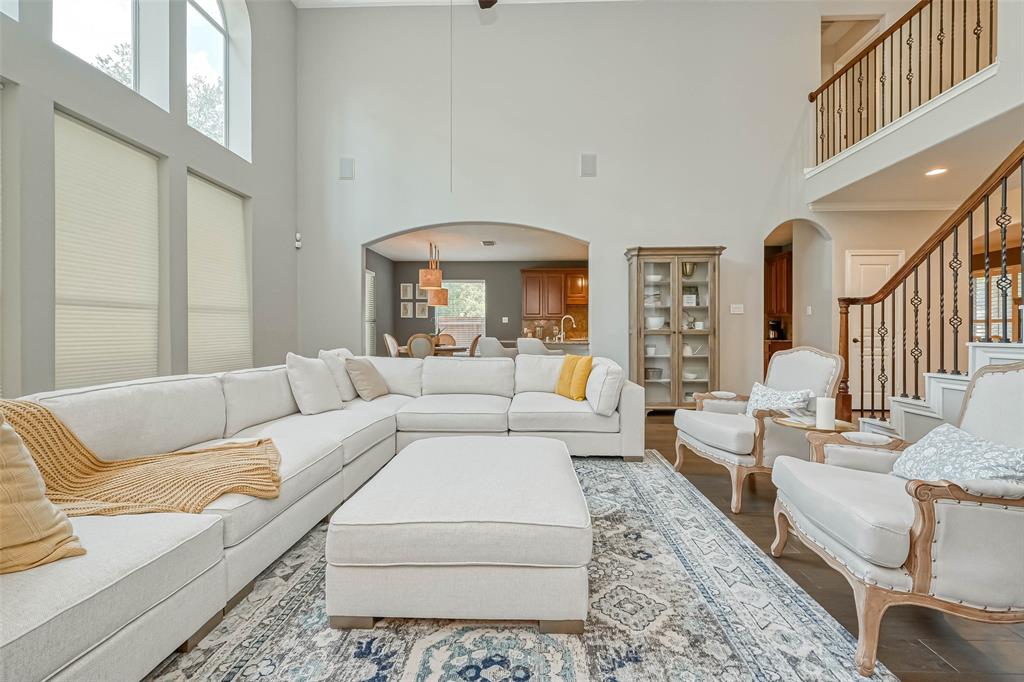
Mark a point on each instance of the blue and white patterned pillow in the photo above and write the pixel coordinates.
(765, 398)
(951, 454)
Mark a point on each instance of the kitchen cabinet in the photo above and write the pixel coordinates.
(554, 294)
(773, 347)
(533, 294)
(673, 323)
(577, 287)
(778, 284)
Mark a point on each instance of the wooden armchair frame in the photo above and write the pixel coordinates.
(873, 600)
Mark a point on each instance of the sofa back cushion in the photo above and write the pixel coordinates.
(335, 360)
(142, 417)
(605, 386)
(485, 376)
(537, 373)
(402, 375)
(254, 396)
(312, 384)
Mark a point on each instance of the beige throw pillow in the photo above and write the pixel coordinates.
(33, 530)
(365, 377)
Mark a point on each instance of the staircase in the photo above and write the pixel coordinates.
(952, 308)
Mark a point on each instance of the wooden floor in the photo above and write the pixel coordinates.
(916, 644)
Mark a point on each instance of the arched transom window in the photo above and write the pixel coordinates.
(207, 53)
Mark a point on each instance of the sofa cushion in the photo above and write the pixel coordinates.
(335, 360)
(388, 404)
(467, 500)
(537, 411)
(868, 513)
(731, 432)
(143, 417)
(254, 396)
(485, 376)
(402, 375)
(366, 380)
(458, 412)
(537, 373)
(605, 386)
(52, 614)
(312, 384)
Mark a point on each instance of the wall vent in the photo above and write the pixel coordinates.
(489, 242)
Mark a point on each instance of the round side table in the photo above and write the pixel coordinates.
(840, 427)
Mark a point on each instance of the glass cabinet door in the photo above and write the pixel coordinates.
(695, 319)
(657, 329)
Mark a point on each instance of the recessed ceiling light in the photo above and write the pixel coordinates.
(936, 171)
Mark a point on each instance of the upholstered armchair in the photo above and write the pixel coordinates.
(957, 548)
(490, 347)
(530, 346)
(720, 430)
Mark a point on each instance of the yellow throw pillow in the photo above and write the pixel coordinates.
(580, 374)
(564, 385)
(33, 530)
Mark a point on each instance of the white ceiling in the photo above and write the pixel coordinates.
(461, 242)
(970, 158)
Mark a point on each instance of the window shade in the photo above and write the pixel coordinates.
(465, 315)
(219, 326)
(106, 258)
(370, 314)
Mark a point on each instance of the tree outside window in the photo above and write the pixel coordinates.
(466, 313)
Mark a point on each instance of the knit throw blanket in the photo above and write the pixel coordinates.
(83, 484)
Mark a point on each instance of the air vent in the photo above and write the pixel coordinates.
(489, 242)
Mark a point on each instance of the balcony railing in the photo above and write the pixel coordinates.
(931, 48)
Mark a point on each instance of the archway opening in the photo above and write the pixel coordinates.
(502, 280)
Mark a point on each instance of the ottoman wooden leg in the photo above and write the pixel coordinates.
(352, 622)
(560, 627)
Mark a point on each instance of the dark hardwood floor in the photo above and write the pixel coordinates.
(916, 644)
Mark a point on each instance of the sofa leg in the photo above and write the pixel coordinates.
(560, 627)
(353, 622)
(781, 531)
(191, 643)
(239, 596)
(872, 603)
(738, 476)
(632, 458)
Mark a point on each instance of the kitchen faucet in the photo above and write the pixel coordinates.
(560, 338)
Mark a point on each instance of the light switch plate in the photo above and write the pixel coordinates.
(809, 311)
(504, 320)
(736, 309)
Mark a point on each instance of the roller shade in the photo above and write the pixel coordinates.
(219, 324)
(106, 258)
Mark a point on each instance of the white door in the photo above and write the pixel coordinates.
(867, 270)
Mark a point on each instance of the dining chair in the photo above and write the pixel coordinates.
(444, 340)
(392, 345)
(420, 346)
(490, 347)
(472, 346)
(528, 346)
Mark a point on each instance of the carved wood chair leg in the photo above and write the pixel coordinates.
(679, 454)
(871, 606)
(738, 476)
(781, 531)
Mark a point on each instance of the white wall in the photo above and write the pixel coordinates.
(688, 154)
(42, 76)
(812, 287)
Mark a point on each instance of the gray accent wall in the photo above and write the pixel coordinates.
(384, 270)
(504, 293)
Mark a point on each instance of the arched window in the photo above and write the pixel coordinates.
(207, 68)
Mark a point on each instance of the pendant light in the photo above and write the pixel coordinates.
(436, 297)
(430, 276)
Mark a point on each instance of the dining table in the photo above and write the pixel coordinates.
(445, 351)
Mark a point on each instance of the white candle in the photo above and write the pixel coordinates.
(825, 413)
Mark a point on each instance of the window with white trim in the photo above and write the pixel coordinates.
(107, 257)
(219, 317)
(465, 316)
(997, 312)
(370, 313)
(102, 33)
(207, 68)
(10, 8)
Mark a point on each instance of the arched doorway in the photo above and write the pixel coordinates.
(503, 280)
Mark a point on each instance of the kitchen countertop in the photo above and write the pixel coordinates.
(569, 342)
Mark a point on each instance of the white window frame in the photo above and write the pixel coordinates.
(221, 28)
(483, 327)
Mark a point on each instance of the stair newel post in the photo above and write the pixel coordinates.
(844, 401)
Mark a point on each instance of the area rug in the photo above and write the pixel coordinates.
(677, 593)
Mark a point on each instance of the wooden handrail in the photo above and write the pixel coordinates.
(956, 218)
(870, 46)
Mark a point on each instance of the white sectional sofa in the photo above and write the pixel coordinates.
(150, 582)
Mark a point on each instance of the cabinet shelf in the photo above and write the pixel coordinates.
(665, 298)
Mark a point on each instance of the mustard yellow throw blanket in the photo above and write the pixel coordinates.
(82, 484)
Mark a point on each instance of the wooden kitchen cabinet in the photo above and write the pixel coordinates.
(778, 284)
(554, 294)
(546, 293)
(533, 294)
(577, 287)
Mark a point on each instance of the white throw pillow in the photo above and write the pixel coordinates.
(604, 386)
(335, 360)
(764, 398)
(951, 454)
(312, 385)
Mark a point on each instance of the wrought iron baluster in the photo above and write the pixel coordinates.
(920, 81)
(863, 345)
(955, 321)
(964, 45)
(973, 335)
(899, 73)
(942, 310)
(916, 351)
(988, 280)
(871, 330)
(881, 81)
(931, 32)
(992, 31)
(904, 353)
(928, 313)
(941, 37)
(952, 42)
(1004, 282)
(883, 379)
(977, 38)
(892, 345)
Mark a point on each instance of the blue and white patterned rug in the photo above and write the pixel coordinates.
(677, 593)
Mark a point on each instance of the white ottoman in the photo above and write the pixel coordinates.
(469, 527)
